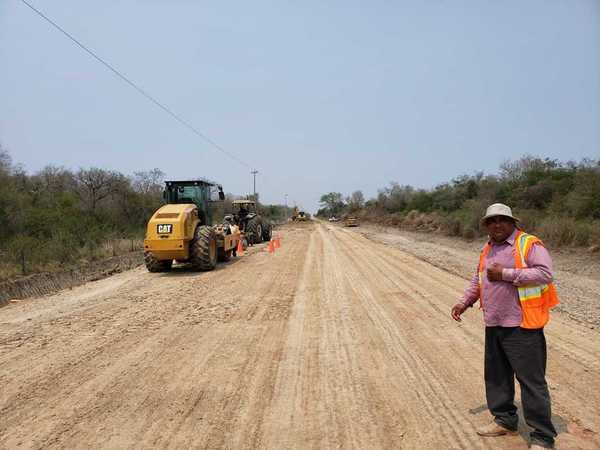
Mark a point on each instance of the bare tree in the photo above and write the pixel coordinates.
(514, 170)
(395, 197)
(5, 161)
(148, 182)
(95, 184)
(55, 179)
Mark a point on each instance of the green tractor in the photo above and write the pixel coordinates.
(255, 228)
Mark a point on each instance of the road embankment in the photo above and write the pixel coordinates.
(36, 285)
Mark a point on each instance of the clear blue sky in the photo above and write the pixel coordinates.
(318, 96)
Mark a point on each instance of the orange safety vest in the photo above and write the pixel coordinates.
(535, 300)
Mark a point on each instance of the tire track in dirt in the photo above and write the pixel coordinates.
(155, 359)
(333, 342)
(326, 394)
(590, 355)
(429, 394)
(569, 380)
(575, 358)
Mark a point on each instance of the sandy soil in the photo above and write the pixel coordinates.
(336, 341)
(576, 271)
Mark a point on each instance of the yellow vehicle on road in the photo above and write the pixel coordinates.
(183, 230)
(299, 216)
(351, 221)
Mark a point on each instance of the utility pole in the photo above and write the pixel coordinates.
(254, 172)
(286, 208)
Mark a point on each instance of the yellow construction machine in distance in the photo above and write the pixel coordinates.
(351, 221)
(299, 216)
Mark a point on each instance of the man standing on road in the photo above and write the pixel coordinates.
(514, 285)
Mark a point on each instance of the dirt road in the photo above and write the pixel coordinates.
(333, 342)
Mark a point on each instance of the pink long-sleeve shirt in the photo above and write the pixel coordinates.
(501, 306)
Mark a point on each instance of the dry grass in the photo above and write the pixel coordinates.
(11, 265)
(117, 247)
(564, 231)
(558, 231)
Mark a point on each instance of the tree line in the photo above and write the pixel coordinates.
(58, 217)
(560, 201)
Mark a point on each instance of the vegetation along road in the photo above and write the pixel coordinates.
(334, 341)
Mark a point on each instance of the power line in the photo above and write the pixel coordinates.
(135, 86)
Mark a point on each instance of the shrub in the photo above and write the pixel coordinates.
(529, 219)
(452, 226)
(595, 233)
(583, 234)
(469, 233)
(565, 231)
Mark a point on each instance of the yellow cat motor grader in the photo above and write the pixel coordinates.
(183, 230)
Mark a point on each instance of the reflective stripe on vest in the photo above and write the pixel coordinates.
(535, 300)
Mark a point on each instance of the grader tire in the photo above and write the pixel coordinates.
(267, 232)
(223, 255)
(156, 265)
(203, 249)
(254, 230)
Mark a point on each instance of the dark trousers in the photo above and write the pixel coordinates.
(510, 352)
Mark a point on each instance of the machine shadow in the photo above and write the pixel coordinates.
(185, 271)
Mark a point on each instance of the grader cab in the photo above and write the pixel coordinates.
(183, 230)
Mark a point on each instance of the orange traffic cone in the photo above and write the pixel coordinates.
(240, 248)
(278, 242)
(271, 247)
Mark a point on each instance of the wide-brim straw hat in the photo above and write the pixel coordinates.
(498, 209)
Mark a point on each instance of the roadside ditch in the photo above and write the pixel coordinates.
(48, 283)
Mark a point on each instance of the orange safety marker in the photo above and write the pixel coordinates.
(278, 242)
(271, 247)
(240, 248)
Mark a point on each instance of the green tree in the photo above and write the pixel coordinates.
(332, 203)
